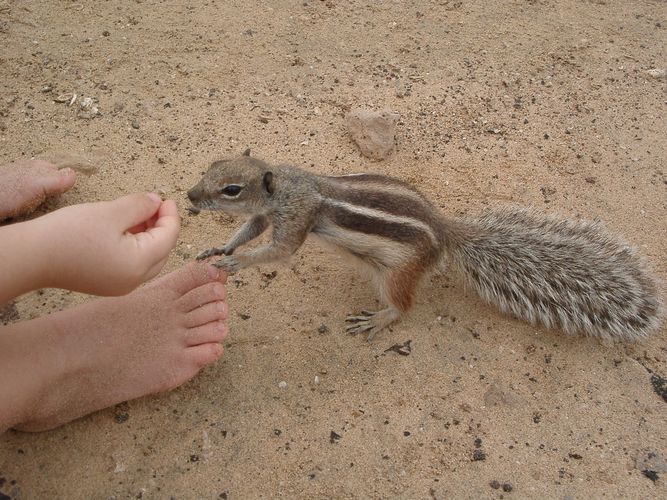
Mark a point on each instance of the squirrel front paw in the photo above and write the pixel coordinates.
(228, 263)
(214, 251)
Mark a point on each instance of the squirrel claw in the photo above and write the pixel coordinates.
(211, 252)
(215, 251)
(364, 316)
(371, 322)
(229, 264)
(360, 324)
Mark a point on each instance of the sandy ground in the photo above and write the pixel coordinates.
(538, 102)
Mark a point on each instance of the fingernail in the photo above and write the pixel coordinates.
(155, 197)
(213, 272)
(65, 172)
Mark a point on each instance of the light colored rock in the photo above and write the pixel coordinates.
(373, 131)
(657, 73)
(88, 109)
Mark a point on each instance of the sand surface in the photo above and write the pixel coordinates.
(538, 102)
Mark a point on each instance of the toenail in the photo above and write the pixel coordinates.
(219, 291)
(222, 328)
(221, 307)
(213, 272)
(217, 350)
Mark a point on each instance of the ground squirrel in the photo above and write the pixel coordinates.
(562, 273)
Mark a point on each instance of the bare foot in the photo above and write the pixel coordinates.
(26, 184)
(62, 366)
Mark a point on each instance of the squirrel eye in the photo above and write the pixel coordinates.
(231, 190)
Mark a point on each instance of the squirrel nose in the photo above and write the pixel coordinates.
(195, 194)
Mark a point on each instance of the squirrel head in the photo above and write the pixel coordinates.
(240, 186)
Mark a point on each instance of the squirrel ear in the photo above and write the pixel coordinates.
(268, 182)
(246, 152)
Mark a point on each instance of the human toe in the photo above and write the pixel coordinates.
(204, 354)
(213, 332)
(213, 311)
(193, 275)
(57, 181)
(210, 292)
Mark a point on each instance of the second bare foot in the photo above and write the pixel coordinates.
(62, 366)
(26, 184)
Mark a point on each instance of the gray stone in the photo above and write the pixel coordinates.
(373, 131)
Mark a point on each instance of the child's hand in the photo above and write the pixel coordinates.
(109, 248)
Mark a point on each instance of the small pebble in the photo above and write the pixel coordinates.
(65, 98)
(657, 72)
(121, 418)
(334, 437)
(651, 474)
(282, 384)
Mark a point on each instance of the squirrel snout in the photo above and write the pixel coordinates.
(195, 194)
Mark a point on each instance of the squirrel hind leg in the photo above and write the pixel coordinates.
(397, 288)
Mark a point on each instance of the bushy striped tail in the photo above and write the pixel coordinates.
(560, 273)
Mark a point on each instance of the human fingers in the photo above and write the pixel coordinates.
(163, 234)
(144, 226)
(168, 208)
(131, 211)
